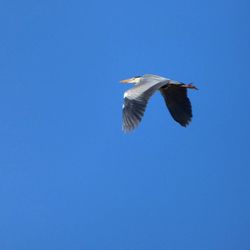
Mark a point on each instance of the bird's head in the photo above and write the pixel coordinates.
(135, 79)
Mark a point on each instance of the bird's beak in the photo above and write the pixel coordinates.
(127, 80)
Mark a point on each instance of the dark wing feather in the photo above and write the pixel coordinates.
(134, 106)
(178, 103)
(132, 114)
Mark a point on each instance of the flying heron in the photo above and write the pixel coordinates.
(136, 99)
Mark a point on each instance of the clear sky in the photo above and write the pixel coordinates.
(69, 177)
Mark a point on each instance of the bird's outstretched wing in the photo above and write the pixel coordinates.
(178, 103)
(135, 102)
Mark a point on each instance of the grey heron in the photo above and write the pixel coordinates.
(136, 99)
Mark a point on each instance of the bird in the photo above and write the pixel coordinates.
(136, 99)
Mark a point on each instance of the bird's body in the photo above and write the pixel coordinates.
(173, 92)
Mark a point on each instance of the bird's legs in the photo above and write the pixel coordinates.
(189, 86)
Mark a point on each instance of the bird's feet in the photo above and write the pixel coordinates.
(189, 86)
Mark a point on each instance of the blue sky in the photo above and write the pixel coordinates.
(69, 177)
